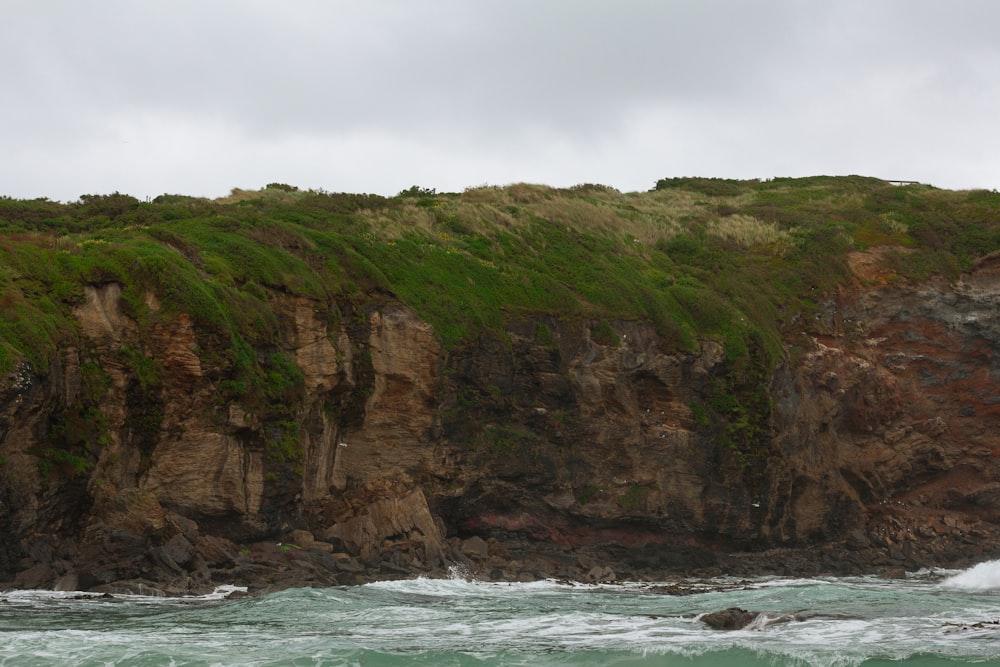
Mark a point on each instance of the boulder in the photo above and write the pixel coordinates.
(733, 618)
(185, 525)
(476, 547)
(179, 549)
(216, 551)
(302, 538)
(41, 575)
(404, 518)
(598, 574)
(856, 540)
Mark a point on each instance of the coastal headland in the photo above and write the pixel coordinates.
(298, 388)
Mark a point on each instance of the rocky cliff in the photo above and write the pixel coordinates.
(558, 449)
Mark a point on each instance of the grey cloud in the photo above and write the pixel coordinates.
(550, 89)
(333, 67)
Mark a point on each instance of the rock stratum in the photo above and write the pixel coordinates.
(538, 456)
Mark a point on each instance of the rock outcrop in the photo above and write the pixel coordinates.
(136, 460)
(733, 618)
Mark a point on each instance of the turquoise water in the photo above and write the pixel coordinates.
(926, 619)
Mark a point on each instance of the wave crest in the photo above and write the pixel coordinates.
(982, 577)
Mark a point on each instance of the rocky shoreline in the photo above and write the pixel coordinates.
(189, 563)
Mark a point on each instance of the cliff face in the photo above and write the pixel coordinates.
(558, 451)
(888, 420)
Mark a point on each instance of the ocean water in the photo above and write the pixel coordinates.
(928, 618)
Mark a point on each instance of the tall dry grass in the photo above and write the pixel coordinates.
(747, 231)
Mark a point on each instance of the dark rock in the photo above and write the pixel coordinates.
(216, 551)
(476, 547)
(123, 541)
(302, 538)
(245, 574)
(37, 576)
(92, 578)
(39, 550)
(162, 558)
(323, 559)
(347, 563)
(131, 588)
(673, 589)
(733, 618)
(179, 549)
(268, 553)
(601, 574)
(187, 526)
(856, 540)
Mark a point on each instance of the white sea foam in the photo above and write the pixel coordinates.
(803, 622)
(458, 585)
(223, 591)
(982, 577)
(931, 573)
(460, 572)
(36, 595)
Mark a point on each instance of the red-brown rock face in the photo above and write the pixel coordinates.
(893, 408)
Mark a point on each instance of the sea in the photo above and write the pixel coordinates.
(930, 617)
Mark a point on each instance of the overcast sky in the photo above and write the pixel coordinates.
(200, 96)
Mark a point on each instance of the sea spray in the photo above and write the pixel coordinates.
(981, 577)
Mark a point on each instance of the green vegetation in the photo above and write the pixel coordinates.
(634, 498)
(283, 443)
(79, 430)
(70, 463)
(509, 441)
(602, 333)
(589, 494)
(746, 263)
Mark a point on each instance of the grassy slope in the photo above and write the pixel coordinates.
(739, 261)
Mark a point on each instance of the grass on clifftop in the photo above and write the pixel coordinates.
(743, 262)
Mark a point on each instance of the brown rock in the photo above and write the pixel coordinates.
(348, 563)
(184, 525)
(400, 410)
(216, 551)
(320, 361)
(398, 517)
(37, 576)
(173, 342)
(302, 538)
(223, 478)
(599, 574)
(476, 547)
(733, 618)
(100, 316)
(856, 540)
(179, 549)
(132, 510)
